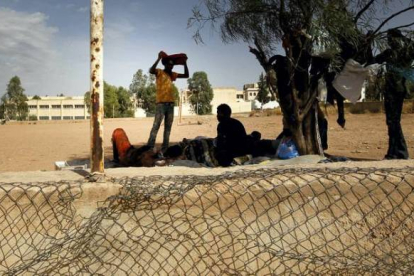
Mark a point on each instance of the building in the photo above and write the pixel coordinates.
(250, 91)
(58, 108)
(228, 95)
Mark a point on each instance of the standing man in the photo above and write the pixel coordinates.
(164, 98)
(398, 58)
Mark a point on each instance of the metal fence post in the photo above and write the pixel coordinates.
(97, 85)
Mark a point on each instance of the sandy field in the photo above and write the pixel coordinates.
(33, 146)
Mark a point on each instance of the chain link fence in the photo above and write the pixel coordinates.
(262, 222)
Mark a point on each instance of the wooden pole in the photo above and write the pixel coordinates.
(180, 110)
(97, 85)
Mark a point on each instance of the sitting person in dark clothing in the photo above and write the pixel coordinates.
(231, 137)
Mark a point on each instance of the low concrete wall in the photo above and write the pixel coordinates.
(350, 218)
(370, 107)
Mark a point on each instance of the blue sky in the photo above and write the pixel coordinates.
(46, 44)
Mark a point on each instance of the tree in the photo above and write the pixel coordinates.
(111, 104)
(126, 108)
(263, 93)
(117, 102)
(87, 100)
(143, 87)
(202, 93)
(316, 35)
(14, 102)
(36, 97)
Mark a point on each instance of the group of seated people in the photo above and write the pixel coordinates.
(231, 142)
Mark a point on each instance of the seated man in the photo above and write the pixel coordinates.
(231, 138)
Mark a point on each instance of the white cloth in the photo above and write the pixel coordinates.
(350, 81)
(322, 91)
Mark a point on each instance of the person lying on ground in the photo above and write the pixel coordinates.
(201, 150)
(129, 156)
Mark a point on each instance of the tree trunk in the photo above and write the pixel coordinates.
(295, 88)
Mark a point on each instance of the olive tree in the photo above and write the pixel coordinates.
(297, 43)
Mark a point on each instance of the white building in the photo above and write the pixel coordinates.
(250, 91)
(227, 95)
(58, 108)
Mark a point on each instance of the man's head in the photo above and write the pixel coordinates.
(223, 112)
(168, 64)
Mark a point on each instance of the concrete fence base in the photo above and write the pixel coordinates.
(317, 219)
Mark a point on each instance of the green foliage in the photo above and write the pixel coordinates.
(263, 94)
(13, 103)
(202, 93)
(36, 97)
(117, 102)
(32, 118)
(126, 108)
(111, 104)
(143, 87)
(87, 101)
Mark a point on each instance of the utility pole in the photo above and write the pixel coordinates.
(97, 97)
(180, 109)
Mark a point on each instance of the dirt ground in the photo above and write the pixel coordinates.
(37, 145)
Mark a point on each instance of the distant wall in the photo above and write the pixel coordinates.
(367, 107)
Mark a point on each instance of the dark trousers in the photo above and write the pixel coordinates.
(393, 103)
(163, 110)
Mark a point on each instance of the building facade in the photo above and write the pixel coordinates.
(228, 95)
(58, 108)
(250, 91)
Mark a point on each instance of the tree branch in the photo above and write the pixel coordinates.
(363, 10)
(399, 27)
(260, 55)
(391, 17)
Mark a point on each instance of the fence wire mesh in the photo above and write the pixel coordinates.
(263, 222)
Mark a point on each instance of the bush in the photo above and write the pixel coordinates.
(32, 118)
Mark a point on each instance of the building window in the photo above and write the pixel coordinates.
(251, 94)
(67, 106)
(79, 117)
(55, 106)
(82, 106)
(32, 106)
(56, 118)
(67, 117)
(44, 118)
(43, 106)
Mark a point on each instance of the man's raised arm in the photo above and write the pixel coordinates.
(186, 73)
(154, 66)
